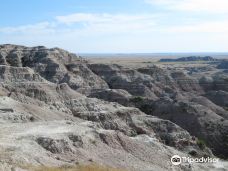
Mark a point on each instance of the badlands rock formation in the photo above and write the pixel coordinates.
(223, 65)
(190, 58)
(57, 109)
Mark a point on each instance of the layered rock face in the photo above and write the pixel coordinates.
(169, 95)
(150, 82)
(56, 109)
(55, 65)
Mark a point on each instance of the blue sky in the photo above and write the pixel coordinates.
(117, 26)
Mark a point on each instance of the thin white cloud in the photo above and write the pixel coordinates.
(110, 22)
(120, 32)
(101, 18)
(44, 26)
(204, 27)
(213, 6)
(99, 24)
(37, 28)
(84, 17)
(88, 22)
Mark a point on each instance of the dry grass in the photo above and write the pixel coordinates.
(75, 168)
(2, 93)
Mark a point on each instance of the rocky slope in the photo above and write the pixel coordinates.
(56, 109)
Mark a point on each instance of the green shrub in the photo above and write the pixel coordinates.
(201, 144)
(137, 99)
(226, 108)
(193, 153)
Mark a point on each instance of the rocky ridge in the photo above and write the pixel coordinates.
(190, 59)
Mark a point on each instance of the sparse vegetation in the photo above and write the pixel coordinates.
(146, 108)
(201, 144)
(93, 141)
(137, 99)
(32, 119)
(92, 167)
(193, 153)
(226, 140)
(226, 108)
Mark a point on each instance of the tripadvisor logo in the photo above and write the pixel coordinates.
(177, 160)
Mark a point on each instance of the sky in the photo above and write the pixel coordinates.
(117, 26)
